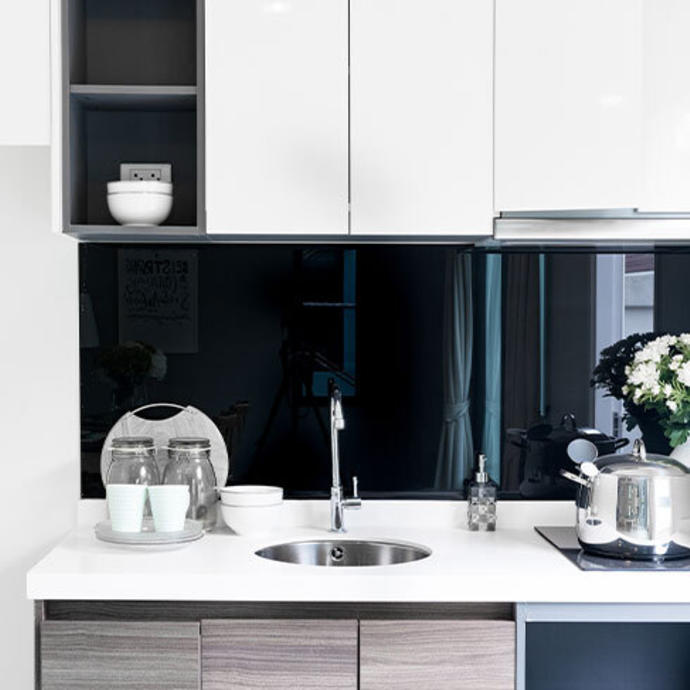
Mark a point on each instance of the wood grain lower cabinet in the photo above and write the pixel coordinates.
(443, 655)
(119, 656)
(285, 654)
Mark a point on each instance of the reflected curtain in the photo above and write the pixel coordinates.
(455, 452)
(491, 430)
(521, 369)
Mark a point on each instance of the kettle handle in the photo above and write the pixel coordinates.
(620, 443)
(575, 478)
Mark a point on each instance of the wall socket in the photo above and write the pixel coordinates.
(160, 172)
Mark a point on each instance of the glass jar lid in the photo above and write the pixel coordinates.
(189, 443)
(132, 443)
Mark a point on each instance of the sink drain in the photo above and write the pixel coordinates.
(337, 553)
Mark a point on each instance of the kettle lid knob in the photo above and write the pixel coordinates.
(639, 452)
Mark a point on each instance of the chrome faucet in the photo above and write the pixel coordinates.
(338, 502)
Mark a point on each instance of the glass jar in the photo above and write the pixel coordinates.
(133, 461)
(189, 462)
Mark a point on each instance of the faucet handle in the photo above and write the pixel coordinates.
(355, 487)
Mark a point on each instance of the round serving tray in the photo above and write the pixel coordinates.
(187, 421)
(192, 531)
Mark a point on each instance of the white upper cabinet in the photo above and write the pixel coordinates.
(421, 117)
(666, 141)
(25, 73)
(277, 116)
(569, 104)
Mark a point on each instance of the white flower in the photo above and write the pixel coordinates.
(645, 375)
(684, 374)
(656, 349)
(668, 389)
(675, 362)
(672, 405)
(684, 338)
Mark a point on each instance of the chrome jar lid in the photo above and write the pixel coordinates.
(132, 443)
(189, 443)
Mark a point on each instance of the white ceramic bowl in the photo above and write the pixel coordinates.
(252, 521)
(251, 495)
(140, 202)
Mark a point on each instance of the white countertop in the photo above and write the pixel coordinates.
(513, 564)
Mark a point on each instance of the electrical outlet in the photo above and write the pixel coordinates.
(161, 172)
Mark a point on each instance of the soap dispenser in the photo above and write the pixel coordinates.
(481, 499)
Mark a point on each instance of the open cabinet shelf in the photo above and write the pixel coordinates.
(131, 91)
(132, 41)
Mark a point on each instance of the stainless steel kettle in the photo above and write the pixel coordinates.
(633, 506)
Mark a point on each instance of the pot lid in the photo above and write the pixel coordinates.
(565, 432)
(640, 463)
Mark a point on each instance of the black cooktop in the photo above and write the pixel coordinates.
(565, 540)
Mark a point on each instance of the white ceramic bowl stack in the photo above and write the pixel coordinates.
(143, 203)
(251, 510)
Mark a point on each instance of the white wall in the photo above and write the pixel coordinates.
(25, 70)
(39, 450)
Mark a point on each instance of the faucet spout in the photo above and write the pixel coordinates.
(338, 502)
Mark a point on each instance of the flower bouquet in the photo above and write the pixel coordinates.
(658, 379)
(650, 373)
(610, 376)
(129, 366)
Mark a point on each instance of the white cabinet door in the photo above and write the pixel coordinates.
(666, 152)
(277, 116)
(421, 117)
(25, 73)
(568, 104)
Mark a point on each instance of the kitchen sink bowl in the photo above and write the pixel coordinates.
(345, 553)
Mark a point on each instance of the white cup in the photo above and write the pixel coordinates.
(126, 506)
(169, 504)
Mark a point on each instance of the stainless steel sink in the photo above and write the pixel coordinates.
(345, 553)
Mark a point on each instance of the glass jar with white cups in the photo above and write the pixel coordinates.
(133, 461)
(141, 509)
(189, 463)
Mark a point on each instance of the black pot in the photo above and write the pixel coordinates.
(544, 452)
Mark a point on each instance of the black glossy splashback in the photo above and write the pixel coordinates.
(440, 351)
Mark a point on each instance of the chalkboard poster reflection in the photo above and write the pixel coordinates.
(158, 294)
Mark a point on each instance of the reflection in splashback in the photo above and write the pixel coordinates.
(440, 352)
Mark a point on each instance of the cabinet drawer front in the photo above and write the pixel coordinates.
(297, 654)
(444, 655)
(119, 656)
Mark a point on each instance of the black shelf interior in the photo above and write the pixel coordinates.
(103, 138)
(132, 98)
(133, 42)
